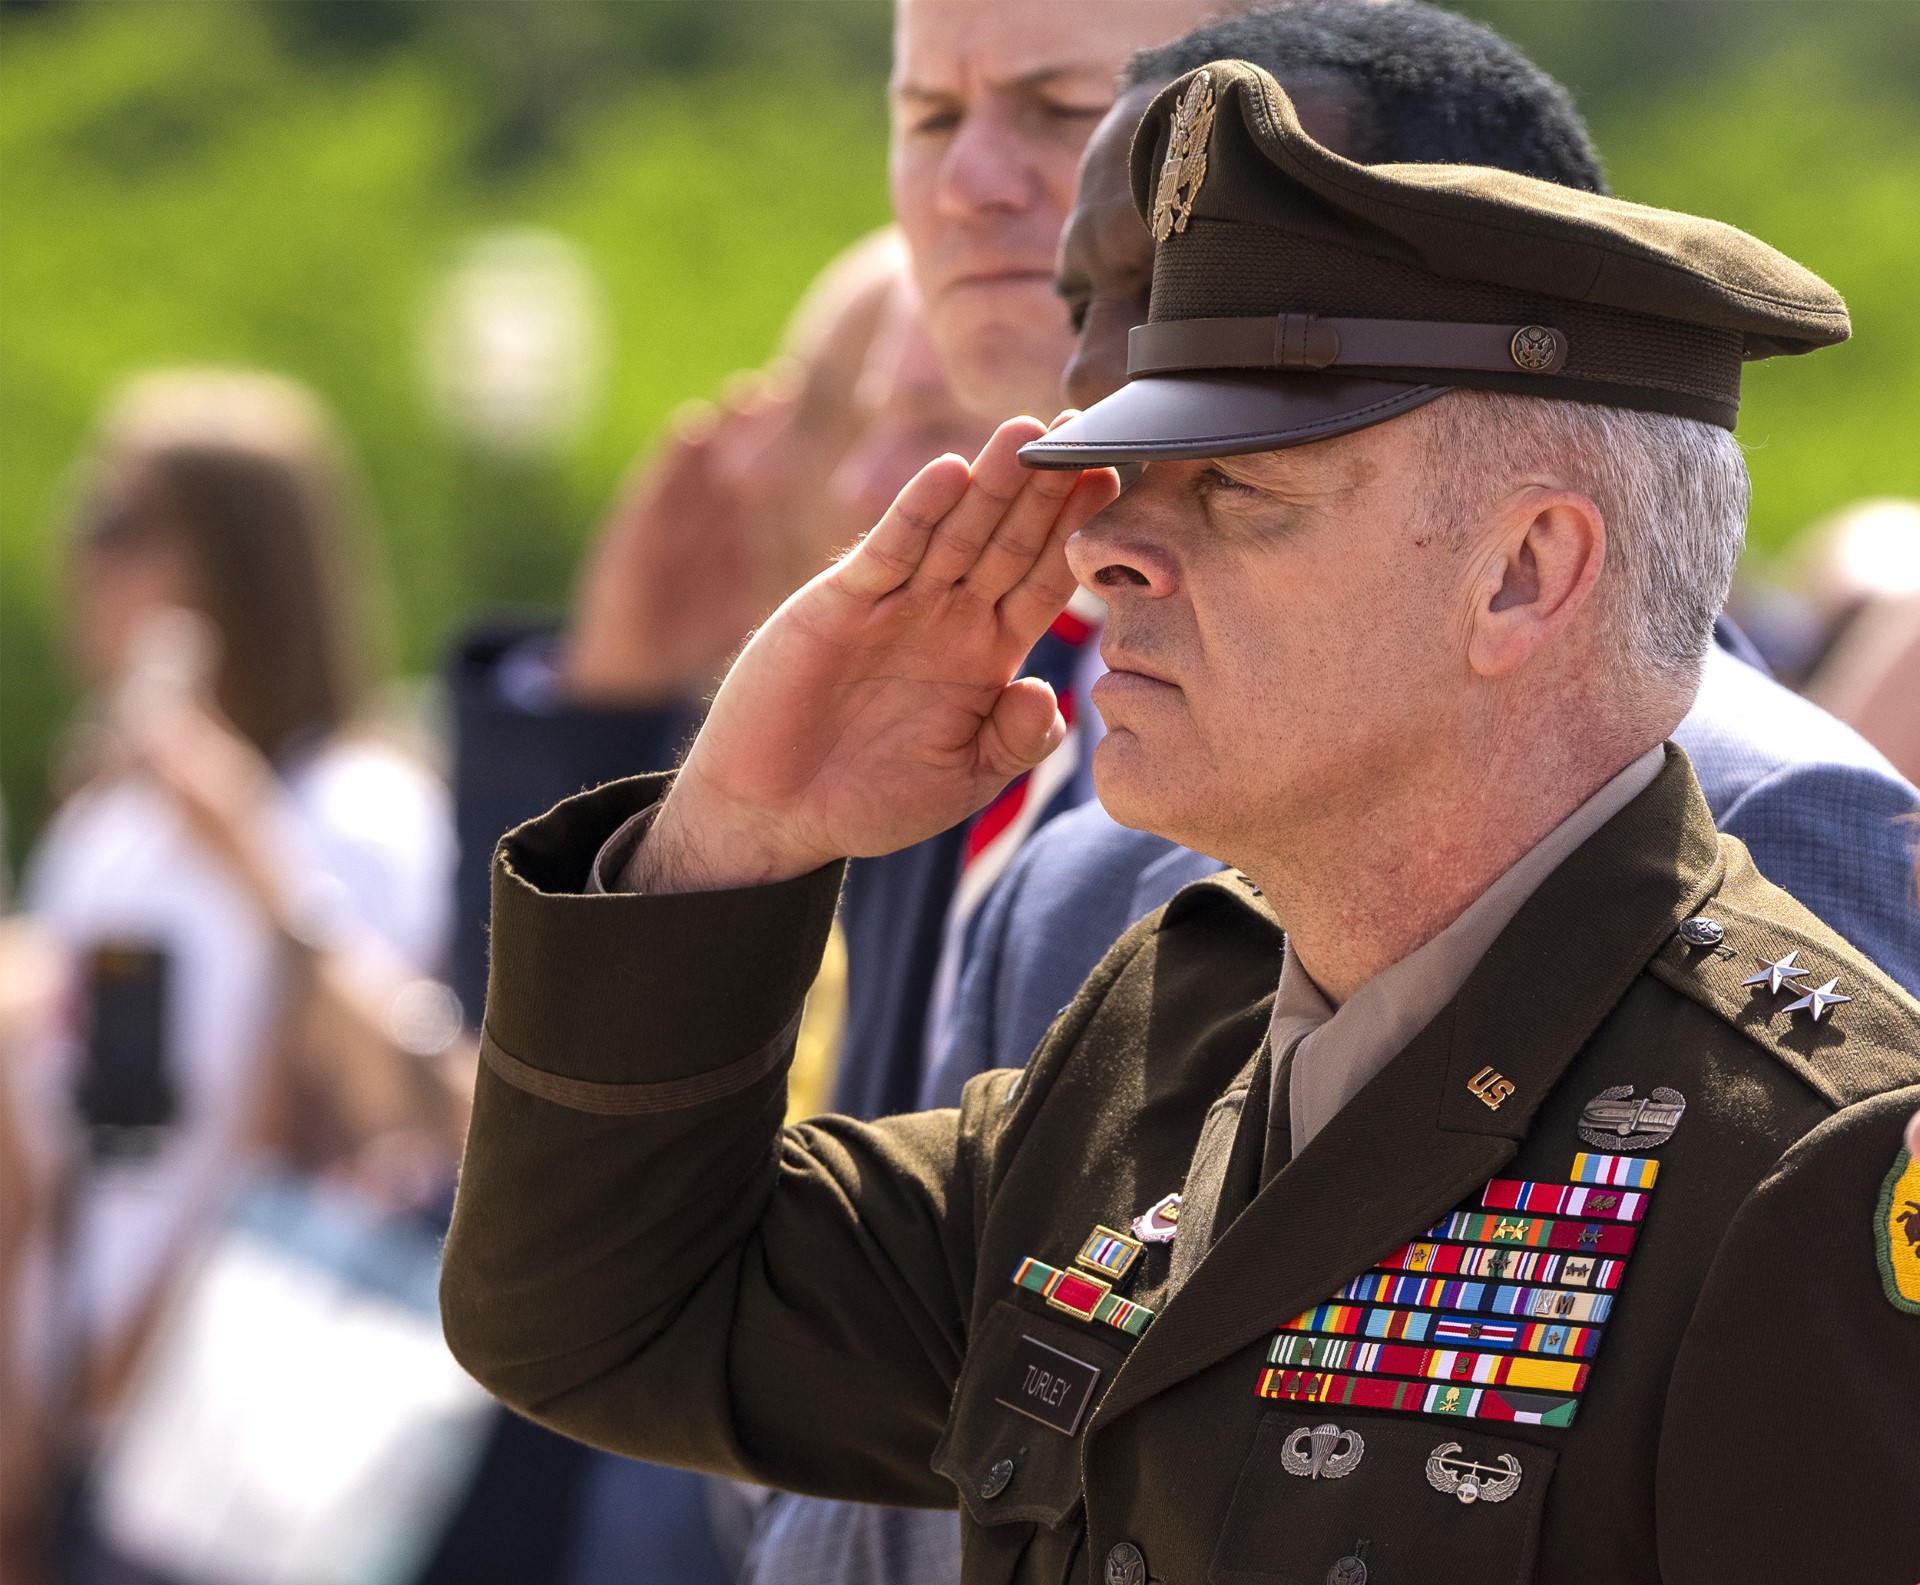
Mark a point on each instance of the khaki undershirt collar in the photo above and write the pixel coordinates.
(1336, 1051)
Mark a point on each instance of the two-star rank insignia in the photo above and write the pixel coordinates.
(1896, 1234)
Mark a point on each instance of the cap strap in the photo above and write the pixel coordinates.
(1307, 341)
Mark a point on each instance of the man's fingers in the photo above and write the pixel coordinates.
(998, 480)
(1022, 534)
(1049, 583)
(893, 550)
(1024, 728)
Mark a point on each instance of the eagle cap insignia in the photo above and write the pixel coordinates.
(1185, 167)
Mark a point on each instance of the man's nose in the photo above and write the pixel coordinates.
(986, 169)
(1115, 557)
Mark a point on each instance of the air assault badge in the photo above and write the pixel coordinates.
(1896, 1234)
(1185, 167)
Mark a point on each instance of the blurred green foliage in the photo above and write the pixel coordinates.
(282, 183)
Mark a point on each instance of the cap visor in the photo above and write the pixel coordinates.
(1163, 417)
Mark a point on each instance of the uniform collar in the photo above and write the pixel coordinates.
(1431, 1127)
(1338, 1051)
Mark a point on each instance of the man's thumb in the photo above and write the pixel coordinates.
(1024, 728)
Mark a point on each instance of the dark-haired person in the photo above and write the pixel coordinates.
(1822, 811)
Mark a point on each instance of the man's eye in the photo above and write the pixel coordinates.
(936, 122)
(1215, 485)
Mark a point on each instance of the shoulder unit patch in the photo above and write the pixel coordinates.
(1896, 1234)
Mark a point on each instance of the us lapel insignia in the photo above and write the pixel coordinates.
(1159, 1221)
(1896, 1234)
(1614, 1120)
(1185, 167)
(1109, 1253)
(1491, 1088)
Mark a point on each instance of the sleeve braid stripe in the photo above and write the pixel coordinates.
(640, 1100)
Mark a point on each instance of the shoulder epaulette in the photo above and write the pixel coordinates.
(1228, 886)
(1771, 963)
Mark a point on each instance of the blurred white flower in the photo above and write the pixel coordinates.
(515, 343)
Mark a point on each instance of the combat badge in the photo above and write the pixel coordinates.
(1185, 167)
(1454, 1475)
(1896, 1234)
(1614, 1120)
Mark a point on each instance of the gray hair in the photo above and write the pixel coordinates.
(1673, 492)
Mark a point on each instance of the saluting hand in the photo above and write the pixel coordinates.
(879, 704)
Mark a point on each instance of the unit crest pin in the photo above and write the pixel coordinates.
(1159, 1221)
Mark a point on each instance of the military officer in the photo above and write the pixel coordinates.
(1548, 1221)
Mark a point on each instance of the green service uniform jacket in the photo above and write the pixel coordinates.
(643, 1257)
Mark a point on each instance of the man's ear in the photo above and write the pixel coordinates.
(1544, 555)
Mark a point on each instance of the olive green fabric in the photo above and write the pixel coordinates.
(1649, 308)
(829, 1306)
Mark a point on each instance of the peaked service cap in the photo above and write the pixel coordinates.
(1298, 295)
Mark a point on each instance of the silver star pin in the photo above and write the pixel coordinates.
(1777, 976)
(1817, 1002)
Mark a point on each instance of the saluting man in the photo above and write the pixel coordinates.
(1546, 1222)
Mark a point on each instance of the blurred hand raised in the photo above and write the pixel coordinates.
(683, 566)
(879, 704)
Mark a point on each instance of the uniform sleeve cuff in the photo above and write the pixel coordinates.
(610, 863)
(592, 986)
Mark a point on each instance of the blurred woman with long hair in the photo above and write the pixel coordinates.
(251, 891)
